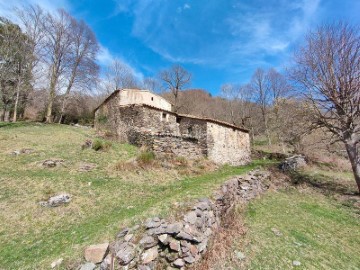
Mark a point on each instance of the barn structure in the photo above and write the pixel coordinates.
(143, 118)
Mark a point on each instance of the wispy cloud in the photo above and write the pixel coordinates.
(241, 33)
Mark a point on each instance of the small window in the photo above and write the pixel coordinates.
(152, 98)
(190, 130)
(178, 120)
(164, 116)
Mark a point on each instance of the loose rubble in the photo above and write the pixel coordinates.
(56, 200)
(159, 243)
(22, 151)
(51, 163)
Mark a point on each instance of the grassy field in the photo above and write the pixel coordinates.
(103, 200)
(315, 222)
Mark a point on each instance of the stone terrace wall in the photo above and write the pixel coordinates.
(227, 145)
(187, 147)
(158, 244)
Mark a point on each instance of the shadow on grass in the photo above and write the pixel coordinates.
(326, 184)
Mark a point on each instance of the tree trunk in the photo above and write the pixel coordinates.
(53, 82)
(266, 125)
(6, 115)
(353, 154)
(17, 100)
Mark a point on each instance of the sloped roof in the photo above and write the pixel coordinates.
(176, 114)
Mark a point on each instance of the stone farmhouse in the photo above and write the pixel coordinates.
(142, 118)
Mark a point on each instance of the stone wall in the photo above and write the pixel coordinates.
(167, 132)
(227, 145)
(158, 244)
(187, 147)
(135, 96)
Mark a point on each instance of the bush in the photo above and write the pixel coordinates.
(146, 157)
(101, 145)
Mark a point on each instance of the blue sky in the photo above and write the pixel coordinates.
(217, 41)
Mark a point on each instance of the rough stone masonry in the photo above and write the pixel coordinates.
(145, 119)
(159, 244)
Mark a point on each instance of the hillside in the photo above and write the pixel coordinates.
(107, 192)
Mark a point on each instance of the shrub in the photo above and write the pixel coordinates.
(101, 145)
(146, 157)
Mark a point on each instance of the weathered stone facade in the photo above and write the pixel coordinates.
(166, 132)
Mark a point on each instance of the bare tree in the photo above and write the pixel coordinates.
(231, 93)
(279, 91)
(58, 45)
(260, 87)
(328, 68)
(119, 75)
(175, 79)
(82, 70)
(152, 84)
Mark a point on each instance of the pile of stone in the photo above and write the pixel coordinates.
(293, 163)
(159, 244)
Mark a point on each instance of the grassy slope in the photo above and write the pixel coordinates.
(317, 231)
(103, 200)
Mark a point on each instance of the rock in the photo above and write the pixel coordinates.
(164, 238)
(296, 263)
(107, 263)
(239, 255)
(171, 256)
(128, 237)
(179, 263)
(193, 250)
(174, 228)
(293, 163)
(122, 233)
(190, 217)
(51, 163)
(56, 200)
(148, 241)
(56, 263)
(86, 167)
(153, 223)
(150, 255)
(125, 253)
(96, 253)
(15, 152)
(88, 266)
(204, 205)
(276, 232)
(189, 259)
(175, 245)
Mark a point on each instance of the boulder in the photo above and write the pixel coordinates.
(96, 253)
